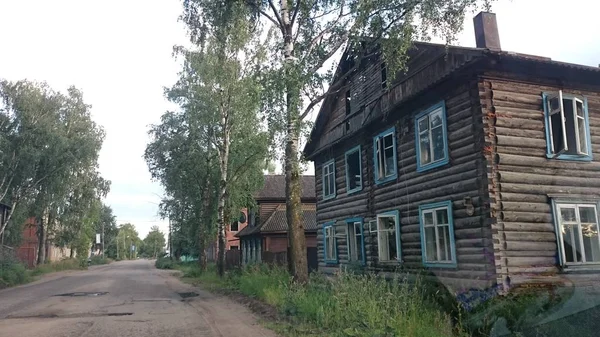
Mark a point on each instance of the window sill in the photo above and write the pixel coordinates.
(433, 165)
(354, 191)
(582, 269)
(329, 197)
(386, 180)
(570, 157)
(331, 262)
(448, 265)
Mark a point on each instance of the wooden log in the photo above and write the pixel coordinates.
(529, 261)
(534, 127)
(520, 142)
(527, 227)
(469, 222)
(526, 151)
(458, 133)
(544, 270)
(514, 132)
(471, 243)
(508, 112)
(526, 178)
(511, 216)
(515, 96)
(528, 246)
(548, 171)
(523, 160)
(530, 253)
(525, 207)
(546, 236)
(467, 233)
(517, 197)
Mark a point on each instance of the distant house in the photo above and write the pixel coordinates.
(479, 165)
(27, 252)
(267, 228)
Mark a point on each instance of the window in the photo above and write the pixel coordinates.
(355, 240)
(233, 248)
(384, 148)
(567, 127)
(234, 226)
(431, 138)
(330, 244)
(388, 236)
(577, 232)
(329, 180)
(437, 235)
(353, 170)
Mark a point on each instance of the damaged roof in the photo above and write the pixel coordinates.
(274, 188)
(276, 222)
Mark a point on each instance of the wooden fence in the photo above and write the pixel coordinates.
(233, 259)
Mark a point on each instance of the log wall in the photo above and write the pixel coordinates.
(464, 176)
(522, 178)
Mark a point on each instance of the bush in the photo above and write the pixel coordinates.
(98, 260)
(12, 273)
(164, 263)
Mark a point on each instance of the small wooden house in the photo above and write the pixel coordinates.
(267, 224)
(480, 165)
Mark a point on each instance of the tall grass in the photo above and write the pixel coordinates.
(13, 272)
(342, 305)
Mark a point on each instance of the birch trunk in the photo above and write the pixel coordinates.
(297, 242)
(42, 235)
(223, 163)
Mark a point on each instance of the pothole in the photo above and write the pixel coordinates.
(188, 295)
(84, 293)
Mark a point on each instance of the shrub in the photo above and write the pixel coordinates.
(12, 273)
(164, 263)
(98, 260)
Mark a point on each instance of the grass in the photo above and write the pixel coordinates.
(14, 273)
(99, 260)
(344, 305)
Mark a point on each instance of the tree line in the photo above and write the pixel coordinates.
(248, 88)
(49, 147)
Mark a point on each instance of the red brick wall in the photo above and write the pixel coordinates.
(229, 235)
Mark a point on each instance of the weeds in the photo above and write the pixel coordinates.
(14, 273)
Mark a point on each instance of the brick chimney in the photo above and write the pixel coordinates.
(486, 31)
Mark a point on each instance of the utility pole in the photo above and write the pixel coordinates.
(102, 239)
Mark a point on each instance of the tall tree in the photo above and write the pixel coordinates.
(219, 126)
(154, 242)
(303, 37)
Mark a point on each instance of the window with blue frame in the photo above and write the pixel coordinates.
(353, 170)
(384, 149)
(388, 236)
(329, 242)
(437, 235)
(431, 137)
(355, 240)
(567, 127)
(328, 180)
(577, 232)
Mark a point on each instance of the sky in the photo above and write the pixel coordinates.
(119, 53)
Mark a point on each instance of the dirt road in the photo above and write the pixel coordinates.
(129, 298)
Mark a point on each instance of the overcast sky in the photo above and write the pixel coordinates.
(118, 52)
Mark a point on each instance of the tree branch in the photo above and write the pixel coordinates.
(277, 22)
(244, 166)
(296, 9)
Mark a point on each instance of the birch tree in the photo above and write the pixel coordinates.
(304, 37)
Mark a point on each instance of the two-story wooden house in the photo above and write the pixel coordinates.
(480, 165)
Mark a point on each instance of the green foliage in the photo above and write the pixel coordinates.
(154, 243)
(164, 263)
(12, 273)
(98, 260)
(343, 305)
(127, 237)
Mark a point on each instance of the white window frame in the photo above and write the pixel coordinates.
(380, 159)
(329, 238)
(558, 206)
(329, 173)
(351, 237)
(559, 108)
(449, 245)
(381, 252)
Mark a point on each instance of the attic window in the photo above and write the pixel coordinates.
(383, 76)
(567, 127)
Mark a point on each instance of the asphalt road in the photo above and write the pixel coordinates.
(122, 299)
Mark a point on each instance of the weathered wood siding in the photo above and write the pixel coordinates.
(464, 176)
(521, 177)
